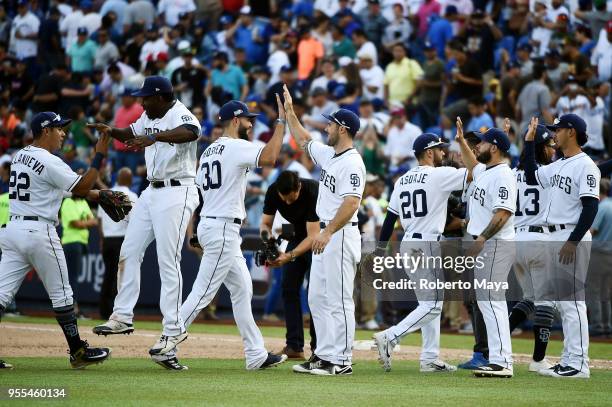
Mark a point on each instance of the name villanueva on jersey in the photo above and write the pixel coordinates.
(409, 263)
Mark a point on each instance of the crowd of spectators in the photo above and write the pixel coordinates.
(405, 66)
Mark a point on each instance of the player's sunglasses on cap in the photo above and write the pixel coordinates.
(496, 137)
(344, 118)
(154, 85)
(426, 141)
(235, 108)
(569, 121)
(45, 120)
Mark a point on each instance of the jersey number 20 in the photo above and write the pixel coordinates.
(212, 175)
(416, 200)
(24, 184)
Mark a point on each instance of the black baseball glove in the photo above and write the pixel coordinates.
(117, 205)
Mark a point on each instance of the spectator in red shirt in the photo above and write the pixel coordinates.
(127, 114)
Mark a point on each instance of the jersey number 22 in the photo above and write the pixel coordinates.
(20, 191)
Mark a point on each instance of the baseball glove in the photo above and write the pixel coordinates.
(116, 204)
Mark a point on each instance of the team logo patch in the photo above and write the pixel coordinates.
(186, 118)
(591, 182)
(503, 193)
(355, 180)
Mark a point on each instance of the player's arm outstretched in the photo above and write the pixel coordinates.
(299, 133)
(270, 152)
(83, 188)
(122, 135)
(529, 161)
(469, 159)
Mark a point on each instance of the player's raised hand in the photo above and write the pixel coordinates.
(507, 125)
(140, 142)
(531, 131)
(101, 128)
(103, 142)
(281, 110)
(288, 99)
(459, 137)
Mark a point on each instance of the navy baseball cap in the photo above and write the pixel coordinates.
(154, 85)
(45, 120)
(542, 135)
(234, 108)
(428, 46)
(497, 137)
(426, 141)
(82, 31)
(345, 118)
(569, 121)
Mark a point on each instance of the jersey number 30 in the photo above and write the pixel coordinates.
(212, 175)
(20, 191)
(417, 200)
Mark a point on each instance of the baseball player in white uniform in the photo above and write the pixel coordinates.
(337, 249)
(38, 182)
(222, 179)
(573, 184)
(167, 131)
(532, 262)
(420, 199)
(492, 204)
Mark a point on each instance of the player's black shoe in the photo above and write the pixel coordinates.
(492, 370)
(86, 356)
(273, 360)
(330, 369)
(313, 363)
(5, 365)
(171, 364)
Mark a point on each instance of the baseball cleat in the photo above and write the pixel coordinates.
(86, 356)
(329, 369)
(273, 360)
(477, 361)
(167, 343)
(292, 353)
(169, 363)
(313, 363)
(113, 327)
(385, 349)
(569, 372)
(5, 365)
(550, 371)
(541, 365)
(437, 366)
(492, 370)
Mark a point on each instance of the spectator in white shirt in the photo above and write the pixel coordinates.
(602, 55)
(364, 46)
(169, 10)
(320, 105)
(278, 59)
(572, 99)
(372, 76)
(329, 74)
(154, 45)
(107, 51)
(400, 139)
(594, 118)
(24, 32)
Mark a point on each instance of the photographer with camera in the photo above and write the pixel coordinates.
(295, 199)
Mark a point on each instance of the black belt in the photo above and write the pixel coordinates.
(534, 229)
(420, 236)
(323, 225)
(235, 220)
(554, 228)
(23, 217)
(161, 184)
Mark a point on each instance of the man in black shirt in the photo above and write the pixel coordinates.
(295, 199)
(49, 90)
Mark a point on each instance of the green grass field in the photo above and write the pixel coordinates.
(215, 382)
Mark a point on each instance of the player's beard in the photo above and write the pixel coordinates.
(484, 157)
(332, 140)
(243, 132)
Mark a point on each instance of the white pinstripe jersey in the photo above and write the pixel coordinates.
(168, 160)
(568, 180)
(38, 182)
(420, 197)
(342, 175)
(494, 188)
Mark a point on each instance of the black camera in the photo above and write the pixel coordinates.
(269, 252)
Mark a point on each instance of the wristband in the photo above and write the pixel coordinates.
(292, 255)
(281, 121)
(151, 137)
(97, 161)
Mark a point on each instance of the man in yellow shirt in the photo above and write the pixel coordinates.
(401, 76)
(4, 209)
(77, 218)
